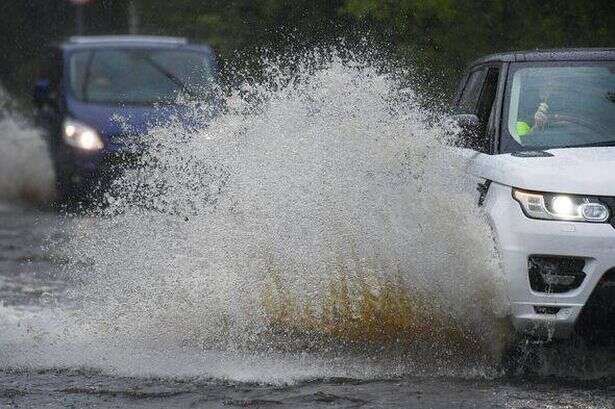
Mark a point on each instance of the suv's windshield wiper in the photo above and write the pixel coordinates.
(587, 145)
(581, 145)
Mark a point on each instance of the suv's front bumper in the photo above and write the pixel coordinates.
(520, 237)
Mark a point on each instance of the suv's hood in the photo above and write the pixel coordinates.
(589, 171)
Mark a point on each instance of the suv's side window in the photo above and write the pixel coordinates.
(487, 97)
(478, 97)
(471, 92)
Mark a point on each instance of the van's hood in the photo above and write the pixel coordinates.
(589, 171)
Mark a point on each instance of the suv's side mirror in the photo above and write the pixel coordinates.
(43, 94)
(468, 126)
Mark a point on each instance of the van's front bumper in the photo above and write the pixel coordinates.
(88, 172)
(520, 237)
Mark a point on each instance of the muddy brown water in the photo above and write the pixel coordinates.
(30, 270)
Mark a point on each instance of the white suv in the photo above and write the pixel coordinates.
(540, 127)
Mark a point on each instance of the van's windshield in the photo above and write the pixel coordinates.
(557, 105)
(138, 76)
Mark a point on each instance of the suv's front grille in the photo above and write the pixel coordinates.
(597, 318)
(610, 202)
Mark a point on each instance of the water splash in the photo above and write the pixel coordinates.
(320, 219)
(26, 172)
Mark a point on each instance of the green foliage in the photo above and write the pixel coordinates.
(444, 35)
(461, 25)
(437, 36)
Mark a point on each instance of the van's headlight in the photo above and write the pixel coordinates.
(81, 136)
(555, 206)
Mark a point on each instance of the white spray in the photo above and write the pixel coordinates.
(26, 173)
(321, 219)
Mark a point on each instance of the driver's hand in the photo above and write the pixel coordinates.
(541, 117)
(540, 120)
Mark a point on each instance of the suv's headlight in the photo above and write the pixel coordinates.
(81, 136)
(555, 206)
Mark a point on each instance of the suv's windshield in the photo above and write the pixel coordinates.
(138, 76)
(554, 105)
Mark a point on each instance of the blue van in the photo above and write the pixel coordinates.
(87, 83)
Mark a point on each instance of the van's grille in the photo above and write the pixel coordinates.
(118, 161)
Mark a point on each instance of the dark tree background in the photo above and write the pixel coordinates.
(437, 36)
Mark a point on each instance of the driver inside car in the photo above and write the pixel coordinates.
(542, 116)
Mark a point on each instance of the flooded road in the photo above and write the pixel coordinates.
(30, 271)
(291, 253)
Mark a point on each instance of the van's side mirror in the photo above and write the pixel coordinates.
(468, 126)
(43, 94)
